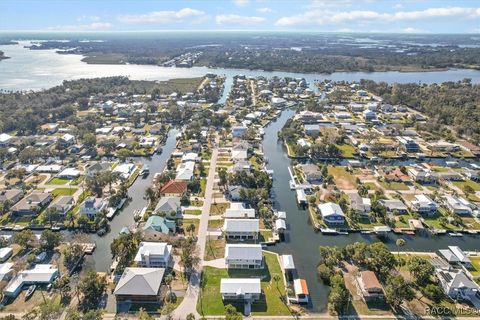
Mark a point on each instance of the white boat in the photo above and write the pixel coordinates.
(292, 185)
(455, 234)
(343, 232)
(30, 291)
(328, 231)
(145, 171)
(366, 232)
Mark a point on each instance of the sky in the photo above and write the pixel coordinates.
(389, 16)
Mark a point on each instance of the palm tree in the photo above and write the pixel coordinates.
(276, 278)
(399, 243)
(150, 194)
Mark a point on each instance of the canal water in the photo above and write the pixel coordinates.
(303, 242)
(102, 258)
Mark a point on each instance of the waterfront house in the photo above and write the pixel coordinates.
(280, 225)
(241, 229)
(238, 211)
(41, 274)
(457, 285)
(369, 115)
(5, 254)
(168, 206)
(233, 193)
(462, 257)
(185, 171)
(331, 213)
(154, 255)
(396, 175)
(125, 170)
(408, 144)
(312, 129)
(243, 289)
(243, 256)
(458, 205)
(369, 286)
(238, 131)
(308, 117)
(173, 188)
(424, 205)
(97, 167)
(359, 204)
(140, 285)
(420, 175)
(6, 271)
(156, 227)
(5, 139)
(93, 206)
(33, 203)
(312, 173)
(394, 206)
(63, 204)
(11, 195)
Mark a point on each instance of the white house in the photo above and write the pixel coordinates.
(241, 228)
(424, 205)
(154, 255)
(237, 211)
(458, 205)
(125, 170)
(243, 256)
(243, 289)
(92, 206)
(456, 284)
(331, 213)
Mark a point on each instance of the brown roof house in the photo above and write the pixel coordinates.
(32, 203)
(369, 286)
(174, 188)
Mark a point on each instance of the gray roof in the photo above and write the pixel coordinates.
(240, 286)
(167, 204)
(243, 251)
(241, 225)
(140, 282)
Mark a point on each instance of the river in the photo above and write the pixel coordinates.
(102, 258)
(38, 69)
(303, 242)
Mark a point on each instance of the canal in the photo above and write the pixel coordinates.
(303, 242)
(102, 258)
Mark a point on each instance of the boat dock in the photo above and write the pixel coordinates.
(88, 248)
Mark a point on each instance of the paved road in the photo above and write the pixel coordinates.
(189, 303)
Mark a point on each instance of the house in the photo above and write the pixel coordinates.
(156, 227)
(458, 205)
(424, 205)
(301, 291)
(312, 129)
(369, 115)
(243, 256)
(331, 213)
(5, 254)
(185, 171)
(67, 139)
(394, 206)
(443, 146)
(154, 255)
(280, 225)
(97, 167)
(462, 257)
(308, 116)
(6, 271)
(420, 175)
(233, 193)
(156, 129)
(174, 188)
(63, 204)
(238, 211)
(312, 173)
(239, 155)
(140, 285)
(359, 204)
(11, 195)
(168, 205)
(238, 131)
(456, 284)
(396, 175)
(33, 203)
(93, 206)
(304, 143)
(409, 144)
(245, 229)
(41, 274)
(125, 170)
(69, 173)
(5, 139)
(246, 290)
(190, 156)
(369, 286)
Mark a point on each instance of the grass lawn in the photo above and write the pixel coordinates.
(195, 212)
(214, 249)
(348, 151)
(371, 186)
(187, 222)
(270, 304)
(462, 184)
(63, 192)
(203, 186)
(215, 224)
(343, 179)
(434, 223)
(475, 270)
(470, 223)
(265, 235)
(394, 185)
(219, 208)
(54, 181)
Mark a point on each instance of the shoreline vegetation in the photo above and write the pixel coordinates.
(310, 53)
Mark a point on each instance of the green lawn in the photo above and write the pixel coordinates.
(475, 270)
(343, 179)
(214, 249)
(54, 181)
(63, 192)
(270, 304)
(462, 184)
(219, 208)
(394, 185)
(434, 223)
(348, 151)
(195, 212)
(203, 186)
(215, 224)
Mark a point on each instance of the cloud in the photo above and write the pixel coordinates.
(323, 17)
(94, 26)
(236, 19)
(413, 30)
(241, 3)
(264, 10)
(161, 17)
(88, 18)
(345, 30)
